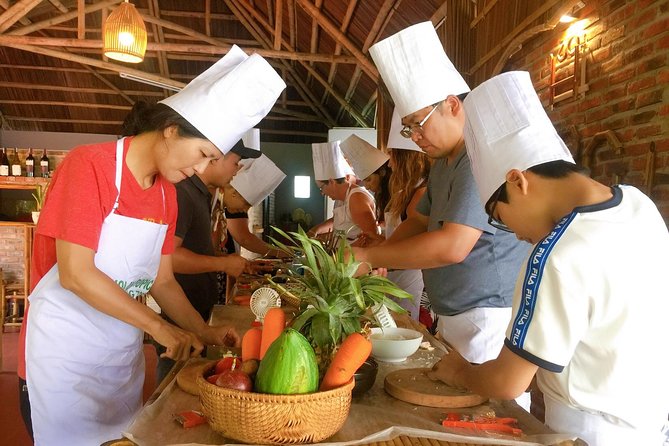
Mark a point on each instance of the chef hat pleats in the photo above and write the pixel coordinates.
(507, 128)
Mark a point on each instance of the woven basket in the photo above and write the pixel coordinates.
(261, 418)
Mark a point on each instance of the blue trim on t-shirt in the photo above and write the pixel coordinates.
(546, 365)
(533, 274)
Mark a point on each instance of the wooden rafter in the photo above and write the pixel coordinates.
(61, 18)
(17, 11)
(81, 19)
(158, 36)
(94, 62)
(313, 43)
(278, 23)
(348, 107)
(22, 20)
(384, 14)
(510, 36)
(69, 104)
(440, 14)
(291, 22)
(219, 49)
(344, 27)
(207, 17)
(483, 13)
(33, 86)
(301, 88)
(340, 37)
(59, 6)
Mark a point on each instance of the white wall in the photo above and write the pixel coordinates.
(50, 140)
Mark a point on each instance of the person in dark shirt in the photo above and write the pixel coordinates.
(194, 261)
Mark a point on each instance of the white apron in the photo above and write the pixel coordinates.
(597, 429)
(410, 280)
(342, 220)
(85, 369)
(477, 334)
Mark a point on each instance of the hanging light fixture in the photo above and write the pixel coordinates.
(124, 34)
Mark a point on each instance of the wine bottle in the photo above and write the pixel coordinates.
(4, 163)
(30, 164)
(16, 163)
(44, 164)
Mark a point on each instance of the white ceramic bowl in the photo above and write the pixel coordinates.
(394, 344)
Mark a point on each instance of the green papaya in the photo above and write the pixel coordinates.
(288, 367)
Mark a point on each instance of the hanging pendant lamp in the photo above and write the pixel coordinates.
(124, 34)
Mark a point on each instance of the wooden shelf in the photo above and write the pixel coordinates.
(22, 182)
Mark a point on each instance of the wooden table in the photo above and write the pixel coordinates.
(370, 413)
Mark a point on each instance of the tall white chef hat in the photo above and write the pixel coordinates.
(415, 68)
(507, 128)
(249, 145)
(329, 162)
(229, 98)
(397, 141)
(363, 157)
(257, 179)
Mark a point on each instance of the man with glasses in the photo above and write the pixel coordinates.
(590, 308)
(469, 267)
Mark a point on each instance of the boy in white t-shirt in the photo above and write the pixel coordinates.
(590, 308)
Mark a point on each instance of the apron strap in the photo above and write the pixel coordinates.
(119, 175)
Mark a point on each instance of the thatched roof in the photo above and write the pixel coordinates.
(53, 76)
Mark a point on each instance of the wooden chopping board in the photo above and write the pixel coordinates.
(413, 386)
(186, 378)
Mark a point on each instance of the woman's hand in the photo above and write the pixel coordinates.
(449, 369)
(221, 335)
(180, 344)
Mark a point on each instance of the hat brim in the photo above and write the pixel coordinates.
(244, 151)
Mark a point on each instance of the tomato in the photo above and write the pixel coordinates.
(227, 363)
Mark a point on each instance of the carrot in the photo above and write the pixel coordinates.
(251, 344)
(273, 325)
(351, 355)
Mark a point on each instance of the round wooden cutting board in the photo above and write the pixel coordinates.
(413, 386)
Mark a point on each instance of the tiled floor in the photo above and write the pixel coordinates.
(12, 430)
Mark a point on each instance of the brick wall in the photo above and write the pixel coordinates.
(628, 78)
(11, 252)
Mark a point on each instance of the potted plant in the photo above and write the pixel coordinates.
(39, 195)
(333, 301)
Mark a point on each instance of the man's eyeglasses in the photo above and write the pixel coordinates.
(408, 130)
(492, 221)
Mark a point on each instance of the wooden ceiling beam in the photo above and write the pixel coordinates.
(69, 104)
(81, 19)
(348, 107)
(510, 36)
(313, 43)
(382, 17)
(95, 63)
(207, 17)
(62, 18)
(220, 49)
(278, 23)
(301, 88)
(17, 11)
(59, 6)
(291, 23)
(367, 66)
(63, 120)
(198, 15)
(163, 67)
(344, 28)
(33, 86)
(440, 14)
(22, 20)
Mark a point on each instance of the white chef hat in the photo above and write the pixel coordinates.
(397, 141)
(415, 68)
(363, 157)
(329, 162)
(249, 145)
(230, 97)
(257, 179)
(507, 128)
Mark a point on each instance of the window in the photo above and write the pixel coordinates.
(302, 186)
